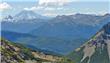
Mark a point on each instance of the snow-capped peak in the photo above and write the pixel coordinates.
(25, 15)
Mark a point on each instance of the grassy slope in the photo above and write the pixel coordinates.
(9, 54)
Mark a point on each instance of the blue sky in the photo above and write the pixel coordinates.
(55, 7)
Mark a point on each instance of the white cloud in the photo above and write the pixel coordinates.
(28, 9)
(53, 2)
(55, 14)
(50, 14)
(50, 7)
(34, 8)
(5, 6)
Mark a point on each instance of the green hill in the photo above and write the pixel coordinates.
(17, 53)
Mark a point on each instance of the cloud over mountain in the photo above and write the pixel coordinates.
(5, 6)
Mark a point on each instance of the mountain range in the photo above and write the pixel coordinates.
(72, 25)
(49, 32)
(33, 21)
(94, 50)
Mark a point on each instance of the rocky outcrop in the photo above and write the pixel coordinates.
(17, 53)
(96, 50)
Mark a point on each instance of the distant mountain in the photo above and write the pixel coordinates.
(105, 20)
(23, 22)
(72, 26)
(25, 16)
(29, 16)
(86, 19)
(96, 50)
(17, 53)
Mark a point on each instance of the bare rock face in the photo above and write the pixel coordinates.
(108, 48)
(96, 50)
(100, 40)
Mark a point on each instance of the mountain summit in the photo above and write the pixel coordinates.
(25, 15)
(96, 50)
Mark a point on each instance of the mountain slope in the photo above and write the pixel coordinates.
(58, 45)
(13, 36)
(17, 53)
(64, 30)
(20, 27)
(96, 50)
(44, 43)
